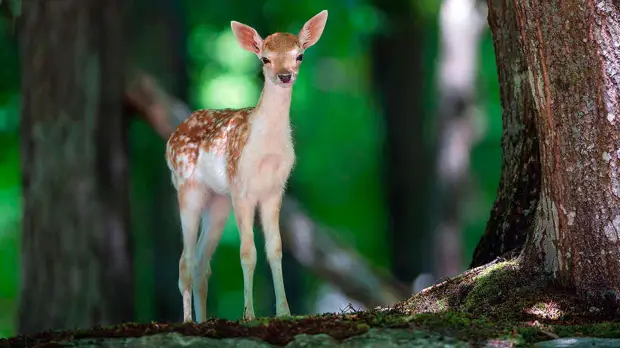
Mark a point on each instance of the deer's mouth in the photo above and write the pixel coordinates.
(285, 80)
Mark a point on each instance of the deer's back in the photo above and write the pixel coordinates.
(206, 147)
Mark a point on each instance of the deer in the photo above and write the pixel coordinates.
(240, 160)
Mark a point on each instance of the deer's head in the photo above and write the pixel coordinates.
(281, 53)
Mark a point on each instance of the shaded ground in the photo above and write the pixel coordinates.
(493, 304)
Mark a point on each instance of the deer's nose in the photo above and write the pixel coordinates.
(285, 78)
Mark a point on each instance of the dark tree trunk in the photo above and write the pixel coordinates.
(159, 47)
(559, 65)
(398, 72)
(76, 265)
(517, 196)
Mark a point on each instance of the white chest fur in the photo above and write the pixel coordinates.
(268, 157)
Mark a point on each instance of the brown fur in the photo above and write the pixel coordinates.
(281, 42)
(222, 131)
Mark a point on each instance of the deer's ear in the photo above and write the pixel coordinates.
(247, 37)
(312, 30)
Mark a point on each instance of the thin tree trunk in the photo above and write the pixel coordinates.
(559, 64)
(398, 72)
(517, 196)
(462, 25)
(159, 47)
(76, 266)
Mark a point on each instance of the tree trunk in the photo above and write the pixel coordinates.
(559, 69)
(76, 266)
(517, 196)
(159, 46)
(461, 23)
(399, 72)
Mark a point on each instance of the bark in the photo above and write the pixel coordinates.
(512, 214)
(398, 73)
(573, 57)
(564, 60)
(76, 265)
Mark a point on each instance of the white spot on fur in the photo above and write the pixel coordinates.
(606, 156)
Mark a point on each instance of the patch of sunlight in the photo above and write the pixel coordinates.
(228, 91)
(199, 43)
(497, 267)
(229, 54)
(545, 310)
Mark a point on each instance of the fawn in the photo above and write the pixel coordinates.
(238, 159)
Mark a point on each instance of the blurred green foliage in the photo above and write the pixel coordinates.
(337, 129)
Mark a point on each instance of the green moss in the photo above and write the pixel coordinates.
(601, 330)
(491, 284)
(467, 327)
(499, 303)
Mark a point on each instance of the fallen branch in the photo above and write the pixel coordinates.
(161, 110)
(309, 243)
(312, 246)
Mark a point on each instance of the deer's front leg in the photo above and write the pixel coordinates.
(270, 216)
(244, 214)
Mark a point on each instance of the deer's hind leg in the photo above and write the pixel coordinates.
(193, 197)
(213, 220)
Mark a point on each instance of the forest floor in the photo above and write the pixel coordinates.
(494, 305)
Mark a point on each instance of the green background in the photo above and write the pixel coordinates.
(338, 135)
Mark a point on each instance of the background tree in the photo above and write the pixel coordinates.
(462, 25)
(76, 265)
(401, 91)
(158, 47)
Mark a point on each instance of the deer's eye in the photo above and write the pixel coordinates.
(265, 60)
(300, 57)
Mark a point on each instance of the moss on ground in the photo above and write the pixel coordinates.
(493, 302)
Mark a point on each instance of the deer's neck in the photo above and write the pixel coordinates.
(274, 106)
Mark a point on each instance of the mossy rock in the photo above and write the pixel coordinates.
(384, 338)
